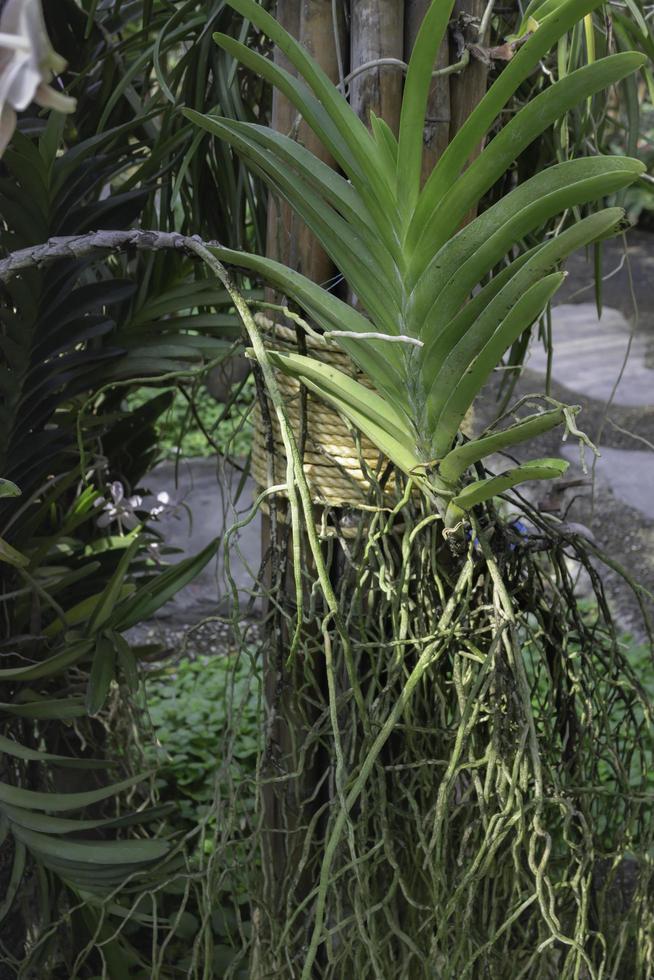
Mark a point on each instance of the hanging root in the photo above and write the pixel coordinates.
(482, 808)
(493, 815)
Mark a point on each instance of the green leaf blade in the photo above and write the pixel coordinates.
(482, 490)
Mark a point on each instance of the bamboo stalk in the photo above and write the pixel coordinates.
(468, 88)
(293, 766)
(317, 36)
(281, 219)
(437, 122)
(288, 239)
(377, 31)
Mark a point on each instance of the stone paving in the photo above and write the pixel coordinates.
(588, 356)
(203, 493)
(588, 353)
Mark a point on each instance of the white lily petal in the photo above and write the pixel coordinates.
(7, 126)
(56, 63)
(16, 42)
(49, 98)
(28, 63)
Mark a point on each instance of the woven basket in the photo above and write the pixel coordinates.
(332, 460)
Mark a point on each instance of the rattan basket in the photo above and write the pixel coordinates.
(332, 459)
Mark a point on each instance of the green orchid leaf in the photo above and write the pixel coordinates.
(471, 362)
(160, 588)
(59, 709)
(377, 359)
(46, 823)
(103, 671)
(62, 802)
(336, 190)
(18, 751)
(364, 409)
(98, 863)
(448, 354)
(427, 235)
(10, 556)
(17, 871)
(465, 259)
(82, 612)
(360, 163)
(482, 490)
(106, 603)
(414, 104)
(483, 116)
(343, 241)
(458, 460)
(8, 489)
(71, 653)
(345, 391)
(350, 127)
(386, 144)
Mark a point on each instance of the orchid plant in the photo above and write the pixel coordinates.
(28, 64)
(424, 280)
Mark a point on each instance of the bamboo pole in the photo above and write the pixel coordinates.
(281, 221)
(377, 31)
(317, 35)
(288, 239)
(467, 89)
(293, 790)
(437, 122)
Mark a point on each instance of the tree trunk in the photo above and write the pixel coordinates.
(293, 764)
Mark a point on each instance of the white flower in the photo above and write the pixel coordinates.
(120, 509)
(129, 513)
(163, 504)
(28, 64)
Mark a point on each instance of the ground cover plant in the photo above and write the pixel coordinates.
(206, 716)
(189, 705)
(193, 426)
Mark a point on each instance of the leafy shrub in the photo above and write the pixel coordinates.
(206, 715)
(197, 425)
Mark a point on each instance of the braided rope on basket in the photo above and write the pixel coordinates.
(332, 458)
(334, 464)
